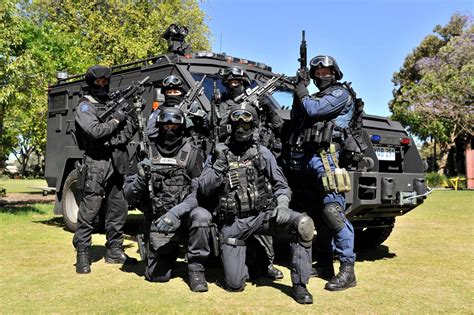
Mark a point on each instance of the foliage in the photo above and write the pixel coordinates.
(434, 90)
(40, 38)
(435, 179)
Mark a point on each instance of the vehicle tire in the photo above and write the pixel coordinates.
(372, 237)
(70, 201)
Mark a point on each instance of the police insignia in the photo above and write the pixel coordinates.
(336, 93)
(85, 108)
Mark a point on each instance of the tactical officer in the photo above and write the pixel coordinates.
(235, 183)
(328, 113)
(176, 160)
(236, 80)
(173, 90)
(100, 177)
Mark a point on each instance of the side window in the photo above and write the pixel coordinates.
(209, 84)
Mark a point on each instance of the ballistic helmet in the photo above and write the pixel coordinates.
(243, 120)
(172, 82)
(325, 61)
(235, 73)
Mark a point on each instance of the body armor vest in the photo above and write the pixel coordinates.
(246, 190)
(170, 178)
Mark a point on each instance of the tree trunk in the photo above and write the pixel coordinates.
(2, 146)
(444, 149)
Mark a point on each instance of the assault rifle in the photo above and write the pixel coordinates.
(250, 96)
(216, 98)
(303, 74)
(191, 96)
(119, 99)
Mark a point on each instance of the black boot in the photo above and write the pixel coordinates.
(343, 280)
(301, 294)
(274, 273)
(116, 255)
(83, 264)
(323, 272)
(197, 281)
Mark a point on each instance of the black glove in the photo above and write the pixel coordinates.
(119, 115)
(281, 213)
(303, 77)
(220, 153)
(301, 90)
(143, 168)
(167, 223)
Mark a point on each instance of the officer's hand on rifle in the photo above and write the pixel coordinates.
(144, 168)
(220, 154)
(281, 213)
(168, 222)
(119, 116)
(301, 90)
(302, 76)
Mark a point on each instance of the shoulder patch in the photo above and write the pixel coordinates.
(85, 108)
(337, 93)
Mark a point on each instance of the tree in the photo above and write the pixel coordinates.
(40, 38)
(435, 88)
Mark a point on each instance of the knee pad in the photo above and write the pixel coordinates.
(305, 229)
(334, 217)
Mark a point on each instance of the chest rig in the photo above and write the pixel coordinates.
(246, 190)
(170, 178)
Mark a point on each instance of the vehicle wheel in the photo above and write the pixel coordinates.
(70, 201)
(371, 237)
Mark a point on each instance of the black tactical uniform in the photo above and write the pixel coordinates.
(267, 134)
(242, 181)
(176, 160)
(101, 175)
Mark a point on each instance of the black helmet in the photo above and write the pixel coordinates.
(172, 82)
(325, 61)
(96, 72)
(235, 73)
(170, 115)
(243, 120)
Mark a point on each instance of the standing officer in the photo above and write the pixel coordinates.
(176, 160)
(236, 80)
(100, 176)
(327, 113)
(236, 183)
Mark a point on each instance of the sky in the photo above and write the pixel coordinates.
(369, 38)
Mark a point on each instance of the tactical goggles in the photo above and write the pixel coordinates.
(321, 61)
(241, 114)
(234, 71)
(169, 118)
(171, 81)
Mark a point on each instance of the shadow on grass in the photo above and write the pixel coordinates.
(21, 209)
(373, 254)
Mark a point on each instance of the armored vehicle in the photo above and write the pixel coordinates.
(390, 185)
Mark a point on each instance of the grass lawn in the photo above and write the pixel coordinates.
(22, 185)
(426, 266)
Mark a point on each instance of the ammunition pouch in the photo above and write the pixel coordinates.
(93, 184)
(353, 148)
(319, 135)
(338, 180)
(81, 170)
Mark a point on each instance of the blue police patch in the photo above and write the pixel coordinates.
(85, 108)
(336, 93)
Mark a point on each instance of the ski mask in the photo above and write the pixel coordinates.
(324, 82)
(243, 122)
(101, 93)
(173, 100)
(235, 91)
(171, 127)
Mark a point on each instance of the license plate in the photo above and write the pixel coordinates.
(385, 154)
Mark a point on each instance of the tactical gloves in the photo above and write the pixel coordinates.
(301, 90)
(281, 213)
(143, 168)
(220, 154)
(168, 222)
(119, 115)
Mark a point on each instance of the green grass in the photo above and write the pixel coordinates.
(424, 267)
(22, 185)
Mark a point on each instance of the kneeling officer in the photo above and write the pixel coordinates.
(235, 182)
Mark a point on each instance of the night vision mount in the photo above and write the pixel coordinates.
(175, 35)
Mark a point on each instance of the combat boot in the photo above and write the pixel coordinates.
(301, 294)
(274, 273)
(197, 281)
(343, 280)
(116, 255)
(83, 264)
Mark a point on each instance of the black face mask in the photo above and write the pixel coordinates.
(169, 141)
(324, 82)
(173, 100)
(101, 93)
(242, 135)
(235, 91)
